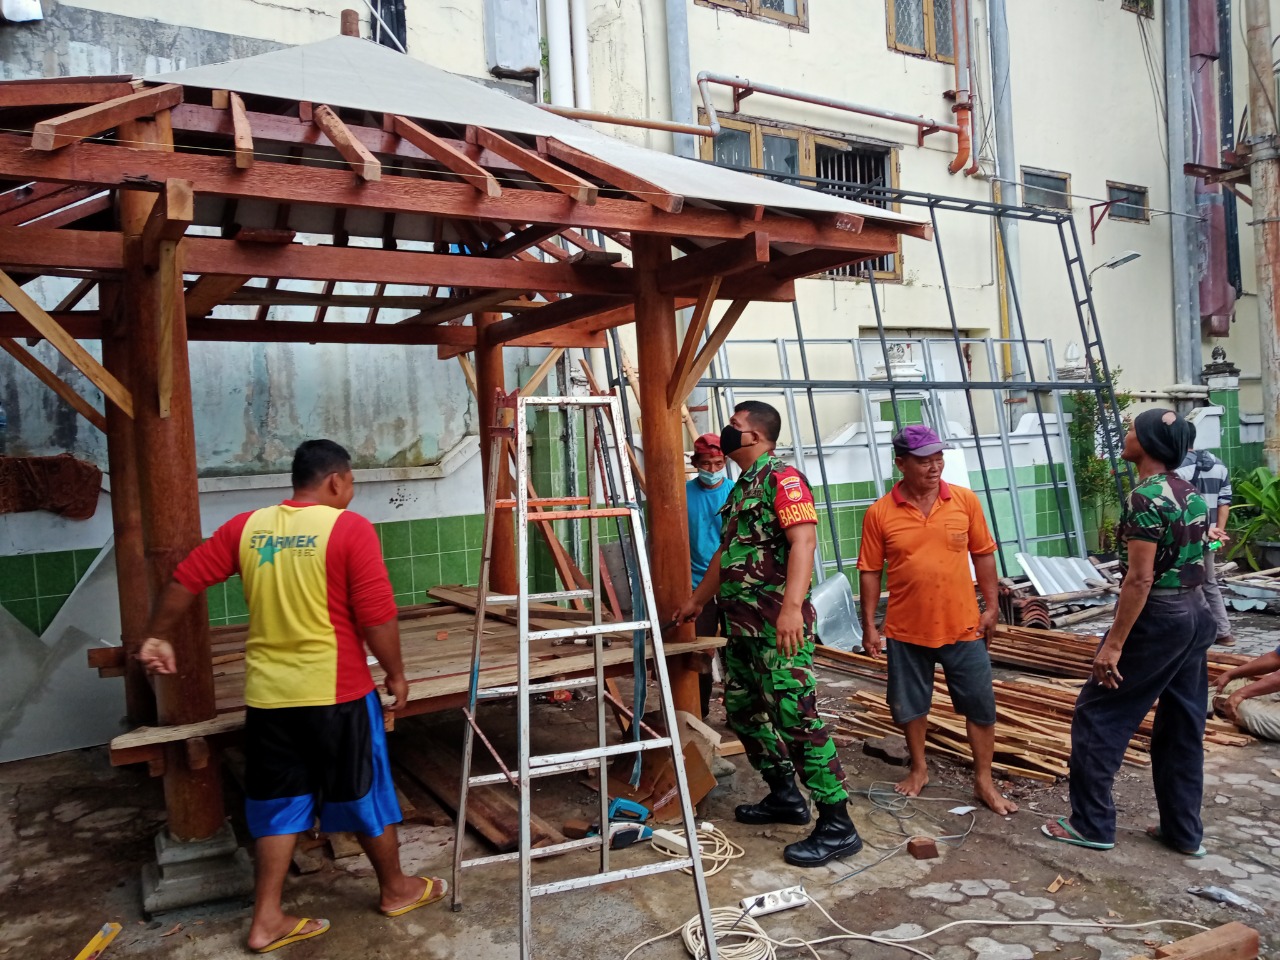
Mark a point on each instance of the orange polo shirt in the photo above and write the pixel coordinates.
(931, 597)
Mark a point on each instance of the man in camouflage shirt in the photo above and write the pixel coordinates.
(762, 574)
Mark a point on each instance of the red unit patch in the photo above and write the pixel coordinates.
(793, 488)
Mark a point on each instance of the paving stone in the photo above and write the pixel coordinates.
(1066, 934)
(1023, 908)
(941, 892)
(1214, 863)
(1237, 777)
(900, 931)
(953, 952)
(989, 949)
(1109, 949)
(996, 884)
(974, 888)
(976, 910)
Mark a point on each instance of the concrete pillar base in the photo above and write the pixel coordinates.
(189, 873)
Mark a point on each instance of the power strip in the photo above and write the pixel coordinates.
(783, 899)
(672, 843)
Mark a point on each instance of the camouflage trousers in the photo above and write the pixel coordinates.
(771, 703)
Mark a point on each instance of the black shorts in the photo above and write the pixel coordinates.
(326, 759)
(966, 666)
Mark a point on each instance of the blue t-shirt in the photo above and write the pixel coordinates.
(704, 523)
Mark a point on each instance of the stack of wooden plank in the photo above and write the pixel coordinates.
(1033, 736)
(1023, 605)
(1060, 653)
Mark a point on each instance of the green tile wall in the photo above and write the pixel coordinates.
(34, 586)
(1239, 457)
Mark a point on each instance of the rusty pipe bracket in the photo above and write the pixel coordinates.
(924, 132)
(740, 94)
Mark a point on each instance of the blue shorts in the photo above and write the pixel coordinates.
(966, 666)
(328, 759)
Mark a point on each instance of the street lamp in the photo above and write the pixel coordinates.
(1117, 260)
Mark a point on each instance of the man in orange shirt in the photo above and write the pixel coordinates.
(926, 531)
(318, 592)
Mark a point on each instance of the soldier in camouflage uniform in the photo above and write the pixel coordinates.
(1155, 649)
(761, 575)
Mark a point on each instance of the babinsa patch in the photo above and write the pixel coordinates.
(792, 487)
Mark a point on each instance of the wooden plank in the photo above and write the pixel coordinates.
(709, 349)
(45, 204)
(1232, 941)
(366, 166)
(243, 136)
(521, 240)
(111, 388)
(89, 121)
(624, 180)
(40, 94)
(461, 307)
(552, 315)
(28, 192)
(692, 340)
(540, 374)
(725, 259)
(105, 165)
(210, 291)
(170, 216)
(536, 165)
(447, 156)
(74, 212)
(54, 383)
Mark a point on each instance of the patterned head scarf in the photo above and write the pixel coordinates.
(1164, 435)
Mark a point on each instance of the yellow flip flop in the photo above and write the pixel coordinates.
(435, 890)
(294, 935)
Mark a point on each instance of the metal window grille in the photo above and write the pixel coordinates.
(908, 23)
(855, 167)
(943, 35)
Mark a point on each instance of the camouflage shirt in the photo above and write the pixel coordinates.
(769, 497)
(1167, 511)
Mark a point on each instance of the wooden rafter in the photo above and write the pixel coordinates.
(322, 309)
(545, 318)
(462, 306)
(45, 204)
(379, 296)
(726, 258)
(624, 180)
(692, 340)
(714, 342)
(365, 164)
(252, 296)
(521, 240)
(28, 192)
(43, 93)
(65, 344)
(243, 135)
(812, 262)
(54, 383)
(535, 165)
(74, 212)
(543, 369)
(447, 155)
(210, 291)
(68, 303)
(100, 117)
(109, 166)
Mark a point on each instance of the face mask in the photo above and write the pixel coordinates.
(730, 439)
(711, 478)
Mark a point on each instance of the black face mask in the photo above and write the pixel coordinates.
(731, 439)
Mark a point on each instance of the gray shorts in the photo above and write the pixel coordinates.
(966, 666)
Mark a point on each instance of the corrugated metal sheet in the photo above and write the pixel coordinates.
(1060, 574)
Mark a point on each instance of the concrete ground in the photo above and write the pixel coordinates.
(75, 833)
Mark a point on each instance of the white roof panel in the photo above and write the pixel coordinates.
(360, 75)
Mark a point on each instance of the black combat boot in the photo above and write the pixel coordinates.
(833, 836)
(784, 804)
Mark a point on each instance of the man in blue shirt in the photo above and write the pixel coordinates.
(704, 495)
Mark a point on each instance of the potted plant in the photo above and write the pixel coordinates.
(1256, 512)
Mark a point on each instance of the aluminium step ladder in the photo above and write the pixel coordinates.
(609, 497)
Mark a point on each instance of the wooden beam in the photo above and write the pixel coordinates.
(73, 212)
(724, 259)
(624, 180)
(552, 315)
(65, 344)
(544, 368)
(365, 164)
(243, 136)
(18, 196)
(536, 166)
(68, 303)
(448, 156)
(692, 340)
(521, 241)
(714, 342)
(171, 214)
(210, 291)
(90, 121)
(45, 204)
(461, 307)
(38, 93)
(106, 165)
(54, 382)
(469, 374)
(812, 262)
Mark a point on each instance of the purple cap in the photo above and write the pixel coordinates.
(918, 441)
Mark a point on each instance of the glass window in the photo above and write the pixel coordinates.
(908, 23)
(780, 6)
(943, 35)
(733, 148)
(1127, 202)
(784, 11)
(922, 27)
(1046, 189)
(781, 154)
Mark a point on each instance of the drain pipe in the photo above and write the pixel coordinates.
(963, 107)
(559, 52)
(973, 88)
(1183, 226)
(679, 81)
(581, 57)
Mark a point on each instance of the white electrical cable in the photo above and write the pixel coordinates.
(717, 849)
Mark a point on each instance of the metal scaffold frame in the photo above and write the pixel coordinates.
(1037, 378)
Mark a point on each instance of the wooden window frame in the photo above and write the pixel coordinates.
(757, 128)
(1143, 8)
(1127, 188)
(930, 49)
(753, 9)
(1042, 172)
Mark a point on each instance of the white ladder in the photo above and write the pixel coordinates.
(622, 506)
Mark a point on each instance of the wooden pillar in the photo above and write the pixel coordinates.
(132, 579)
(490, 378)
(167, 483)
(664, 456)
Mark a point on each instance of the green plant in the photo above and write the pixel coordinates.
(1095, 479)
(1255, 514)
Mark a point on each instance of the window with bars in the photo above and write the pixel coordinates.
(1128, 202)
(922, 28)
(792, 12)
(820, 161)
(1146, 8)
(1046, 188)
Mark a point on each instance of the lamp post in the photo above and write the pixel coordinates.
(1116, 261)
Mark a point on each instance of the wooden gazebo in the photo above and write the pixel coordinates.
(177, 195)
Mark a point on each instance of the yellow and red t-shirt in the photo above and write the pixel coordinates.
(313, 578)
